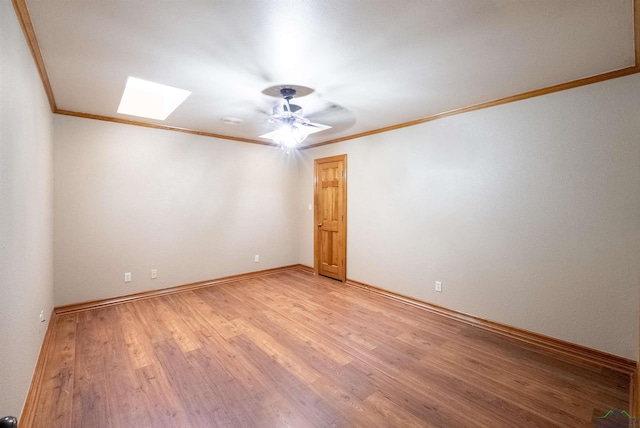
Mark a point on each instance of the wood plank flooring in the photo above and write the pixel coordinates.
(293, 350)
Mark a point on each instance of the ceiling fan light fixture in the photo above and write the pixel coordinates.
(288, 135)
(292, 135)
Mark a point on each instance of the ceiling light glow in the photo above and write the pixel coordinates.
(149, 99)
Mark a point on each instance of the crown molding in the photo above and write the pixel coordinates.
(158, 126)
(22, 12)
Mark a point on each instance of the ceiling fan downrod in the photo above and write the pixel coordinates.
(288, 94)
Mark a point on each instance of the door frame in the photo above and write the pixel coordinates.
(316, 213)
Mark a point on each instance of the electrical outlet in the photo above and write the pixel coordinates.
(154, 273)
(127, 277)
(256, 258)
(439, 286)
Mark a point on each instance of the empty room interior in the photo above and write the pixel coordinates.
(278, 213)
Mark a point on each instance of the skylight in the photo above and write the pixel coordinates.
(151, 100)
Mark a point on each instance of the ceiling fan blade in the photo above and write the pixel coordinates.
(270, 135)
(312, 128)
(339, 118)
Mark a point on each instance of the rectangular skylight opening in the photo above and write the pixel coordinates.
(143, 98)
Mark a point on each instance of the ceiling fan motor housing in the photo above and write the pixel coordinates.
(288, 93)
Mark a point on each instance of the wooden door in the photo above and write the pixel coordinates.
(330, 238)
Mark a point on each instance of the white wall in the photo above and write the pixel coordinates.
(529, 213)
(132, 199)
(26, 282)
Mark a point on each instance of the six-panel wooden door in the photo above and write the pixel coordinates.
(331, 217)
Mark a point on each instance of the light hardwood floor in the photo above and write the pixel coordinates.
(293, 350)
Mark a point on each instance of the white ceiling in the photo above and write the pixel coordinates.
(372, 63)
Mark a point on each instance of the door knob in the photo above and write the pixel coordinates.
(8, 422)
(319, 224)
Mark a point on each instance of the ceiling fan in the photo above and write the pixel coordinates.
(292, 127)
